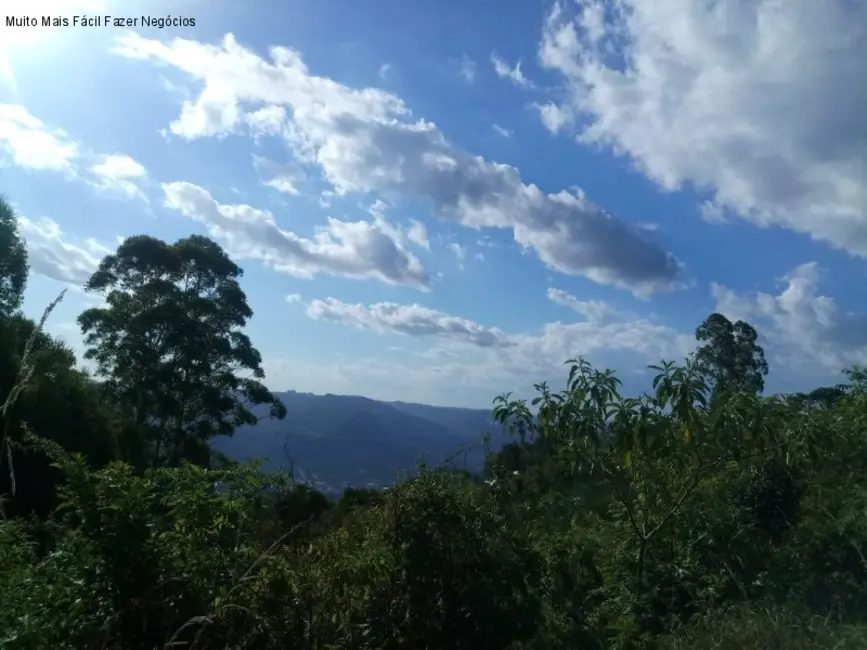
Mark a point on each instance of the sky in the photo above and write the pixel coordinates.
(439, 200)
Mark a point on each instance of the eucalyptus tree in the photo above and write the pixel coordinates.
(170, 345)
(731, 355)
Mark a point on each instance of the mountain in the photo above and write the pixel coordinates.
(334, 441)
(464, 421)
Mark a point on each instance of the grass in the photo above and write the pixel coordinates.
(766, 629)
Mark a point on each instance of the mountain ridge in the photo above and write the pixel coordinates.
(336, 441)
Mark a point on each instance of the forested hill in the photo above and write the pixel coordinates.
(333, 441)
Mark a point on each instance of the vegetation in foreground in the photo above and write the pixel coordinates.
(699, 516)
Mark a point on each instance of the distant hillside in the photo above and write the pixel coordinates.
(339, 440)
(462, 421)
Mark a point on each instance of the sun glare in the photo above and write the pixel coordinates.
(12, 37)
(17, 42)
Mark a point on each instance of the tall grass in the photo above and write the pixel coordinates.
(766, 628)
(22, 379)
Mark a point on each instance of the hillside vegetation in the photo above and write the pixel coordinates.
(699, 516)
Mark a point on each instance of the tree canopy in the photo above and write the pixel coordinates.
(170, 343)
(731, 354)
(13, 261)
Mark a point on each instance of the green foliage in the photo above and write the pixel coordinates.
(57, 402)
(688, 499)
(170, 344)
(767, 628)
(699, 515)
(135, 557)
(731, 355)
(667, 521)
(13, 262)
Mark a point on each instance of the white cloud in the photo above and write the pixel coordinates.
(33, 145)
(412, 320)
(50, 254)
(712, 212)
(429, 383)
(417, 234)
(799, 327)
(467, 68)
(283, 178)
(120, 174)
(554, 117)
(377, 209)
(759, 103)
(595, 311)
(266, 121)
(458, 250)
(325, 198)
(365, 141)
(386, 71)
(350, 249)
(505, 71)
(485, 354)
(503, 131)
(592, 19)
(627, 345)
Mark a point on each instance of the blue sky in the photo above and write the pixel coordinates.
(442, 201)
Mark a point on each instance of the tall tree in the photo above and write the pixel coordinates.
(13, 261)
(823, 397)
(731, 354)
(170, 344)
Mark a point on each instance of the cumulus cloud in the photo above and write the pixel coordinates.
(31, 144)
(120, 174)
(349, 249)
(266, 121)
(761, 104)
(365, 140)
(52, 255)
(505, 71)
(629, 343)
(412, 320)
(800, 327)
